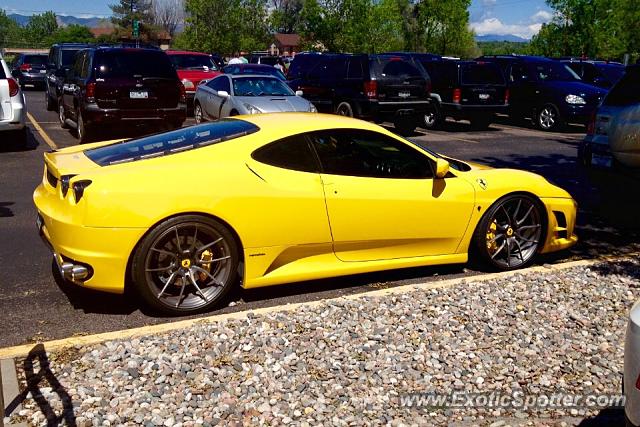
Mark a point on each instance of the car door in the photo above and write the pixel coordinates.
(383, 201)
(71, 84)
(213, 103)
(521, 89)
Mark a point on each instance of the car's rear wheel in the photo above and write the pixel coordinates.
(432, 118)
(548, 118)
(344, 109)
(510, 232)
(197, 113)
(83, 130)
(62, 115)
(186, 265)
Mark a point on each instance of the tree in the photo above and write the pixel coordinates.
(443, 27)
(72, 34)
(125, 12)
(286, 16)
(40, 28)
(10, 31)
(168, 15)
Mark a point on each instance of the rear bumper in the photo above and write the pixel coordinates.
(462, 110)
(32, 78)
(96, 115)
(16, 119)
(561, 215)
(388, 109)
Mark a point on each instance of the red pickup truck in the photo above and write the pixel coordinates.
(192, 68)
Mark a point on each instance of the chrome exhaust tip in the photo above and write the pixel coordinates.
(73, 272)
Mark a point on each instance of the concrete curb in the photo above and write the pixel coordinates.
(23, 350)
(10, 389)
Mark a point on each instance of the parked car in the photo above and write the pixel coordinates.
(547, 91)
(193, 67)
(13, 107)
(281, 198)
(469, 90)
(603, 74)
(263, 59)
(631, 373)
(236, 94)
(256, 69)
(382, 87)
(613, 135)
(117, 86)
(61, 57)
(30, 70)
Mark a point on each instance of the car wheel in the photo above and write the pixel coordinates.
(83, 130)
(62, 116)
(197, 113)
(510, 232)
(432, 118)
(186, 265)
(548, 118)
(404, 125)
(481, 122)
(344, 109)
(51, 105)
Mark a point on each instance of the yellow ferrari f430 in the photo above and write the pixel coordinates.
(261, 200)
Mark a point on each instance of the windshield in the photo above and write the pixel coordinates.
(260, 86)
(481, 73)
(612, 72)
(193, 62)
(69, 56)
(554, 71)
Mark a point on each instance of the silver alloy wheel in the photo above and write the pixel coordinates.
(188, 265)
(197, 113)
(430, 119)
(513, 234)
(344, 109)
(80, 124)
(61, 115)
(548, 118)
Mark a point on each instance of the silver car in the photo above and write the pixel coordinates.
(232, 95)
(12, 105)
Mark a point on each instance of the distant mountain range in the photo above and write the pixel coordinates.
(63, 20)
(501, 38)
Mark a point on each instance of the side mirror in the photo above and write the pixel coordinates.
(223, 93)
(442, 168)
(299, 93)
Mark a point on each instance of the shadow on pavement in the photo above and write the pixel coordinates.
(5, 210)
(14, 144)
(609, 417)
(38, 360)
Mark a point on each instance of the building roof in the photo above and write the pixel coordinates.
(287, 39)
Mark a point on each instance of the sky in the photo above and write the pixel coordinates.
(519, 17)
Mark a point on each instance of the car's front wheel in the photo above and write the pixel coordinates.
(510, 232)
(186, 265)
(197, 113)
(548, 118)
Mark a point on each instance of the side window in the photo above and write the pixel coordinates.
(590, 73)
(519, 73)
(364, 153)
(292, 152)
(52, 56)
(79, 65)
(220, 83)
(577, 68)
(86, 66)
(355, 69)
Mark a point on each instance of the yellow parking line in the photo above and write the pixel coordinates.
(42, 133)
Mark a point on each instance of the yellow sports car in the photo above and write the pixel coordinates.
(260, 200)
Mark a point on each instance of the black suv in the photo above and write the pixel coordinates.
(108, 86)
(598, 73)
(30, 69)
(469, 90)
(547, 91)
(61, 57)
(377, 87)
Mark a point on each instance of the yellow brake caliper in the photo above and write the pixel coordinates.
(206, 256)
(491, 236)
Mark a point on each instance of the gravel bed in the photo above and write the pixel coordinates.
(346, 362)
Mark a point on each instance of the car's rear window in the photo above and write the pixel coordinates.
(171, 142)
(481, 73)
(124, 63)
(395, 67)
(626, 91)
(35, 59)
(69, 56)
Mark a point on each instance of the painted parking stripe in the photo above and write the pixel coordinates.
(42, 133)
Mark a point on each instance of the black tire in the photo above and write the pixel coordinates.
(432, 118)
(62, 115)
(405, 125)
(344, 109)
(481, 121)
(51, 103)
(524, 238)
(162, 288)
(83, 129)
(548, 118)
(197, 113)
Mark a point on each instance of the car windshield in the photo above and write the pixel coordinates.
(260, 86)
(481, 73)
(554, 71)
(69, 56)
(35, 59)
(126, 63)
(612, 72)
(193, 62)
(170, 142)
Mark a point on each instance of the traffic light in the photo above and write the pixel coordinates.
(136, 28)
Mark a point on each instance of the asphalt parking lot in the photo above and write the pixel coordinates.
(35, 306)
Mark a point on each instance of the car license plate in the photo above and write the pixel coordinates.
(484, 96)
(139, 94)
(404, 94)
(602, 161)
(43, 71)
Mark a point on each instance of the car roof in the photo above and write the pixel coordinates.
(185, 52)
(285, 124)
(515, 58)
(72, 45)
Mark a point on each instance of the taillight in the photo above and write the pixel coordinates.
(427, 88)
(13, 87)
(371, 89)
(457, 96)
(506, 96)
(638, 382)
(183, 94)
(79, 187)
(90, 91)
(25, 67)
(591, 126)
